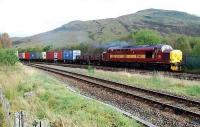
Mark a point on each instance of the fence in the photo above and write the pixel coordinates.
(192, 62)
(5, 107)
(18, 119)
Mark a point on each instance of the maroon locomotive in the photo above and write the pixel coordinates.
(157, 56)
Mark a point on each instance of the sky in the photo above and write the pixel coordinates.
(22, 18)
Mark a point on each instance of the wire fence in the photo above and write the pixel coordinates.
(5, 107)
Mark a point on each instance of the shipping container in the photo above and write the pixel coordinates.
(76, 53)
(38, 55)
(27, 56)
(20, 56)
(33, 55)
(50, 55)
(58, 55)
(68, 55)
(23, 55)
(71, 54)
(44, 55)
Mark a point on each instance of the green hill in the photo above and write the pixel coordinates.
(104, 30)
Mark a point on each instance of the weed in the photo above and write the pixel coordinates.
(41, 114)
(193, 90)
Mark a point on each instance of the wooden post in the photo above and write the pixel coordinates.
(22, 119)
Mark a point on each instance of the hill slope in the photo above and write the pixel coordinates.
(103, 30)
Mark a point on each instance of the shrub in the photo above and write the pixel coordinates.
(8, 56)
(196, 50)
(147, 36)
(183, 44)
(41, 114)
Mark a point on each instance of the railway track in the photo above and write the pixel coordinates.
(178, 75)
(180, 106)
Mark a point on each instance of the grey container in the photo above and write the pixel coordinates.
(39, 55)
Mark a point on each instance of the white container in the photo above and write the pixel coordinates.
(44, 55)
(23, 55)
(55, 55)
(76, 53)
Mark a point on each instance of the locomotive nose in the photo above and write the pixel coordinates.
(175, 60)
(175, 56)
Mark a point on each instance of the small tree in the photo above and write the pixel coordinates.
(48, 48)
(6, 41)
(146, 36)
(38, 48)
(196, 50)
(170, 39)
(8, 56)
(194, 41)
(183, 44)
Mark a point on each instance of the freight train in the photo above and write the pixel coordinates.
(162, 57)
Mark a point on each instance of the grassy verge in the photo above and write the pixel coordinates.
(50, 99)
(2, 117)
(157, 81)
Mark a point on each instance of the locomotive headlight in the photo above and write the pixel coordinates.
(175, 56)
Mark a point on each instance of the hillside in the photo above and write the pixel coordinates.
(105, 30)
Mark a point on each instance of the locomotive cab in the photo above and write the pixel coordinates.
(175, 60)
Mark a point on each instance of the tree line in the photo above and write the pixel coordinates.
(187, 44)
(86, 48)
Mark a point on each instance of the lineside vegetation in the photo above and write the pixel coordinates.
(8, 56)
(157, 81)
(49, 99)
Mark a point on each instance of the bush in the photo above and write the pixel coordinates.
(149, 37)
(196, 50)
(183, 44)
(8, 56)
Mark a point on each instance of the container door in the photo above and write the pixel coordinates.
(23, 55)
(43, 55)
(71, 55)
(55, 55)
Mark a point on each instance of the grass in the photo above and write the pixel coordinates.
(156, 81)
(51, 100)
(2, 117)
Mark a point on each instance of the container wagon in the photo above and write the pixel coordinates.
(50, 56)
(58, 56)
(27, 56)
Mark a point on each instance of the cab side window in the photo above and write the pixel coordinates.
(149, 54)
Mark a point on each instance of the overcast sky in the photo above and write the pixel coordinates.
(28, 17)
